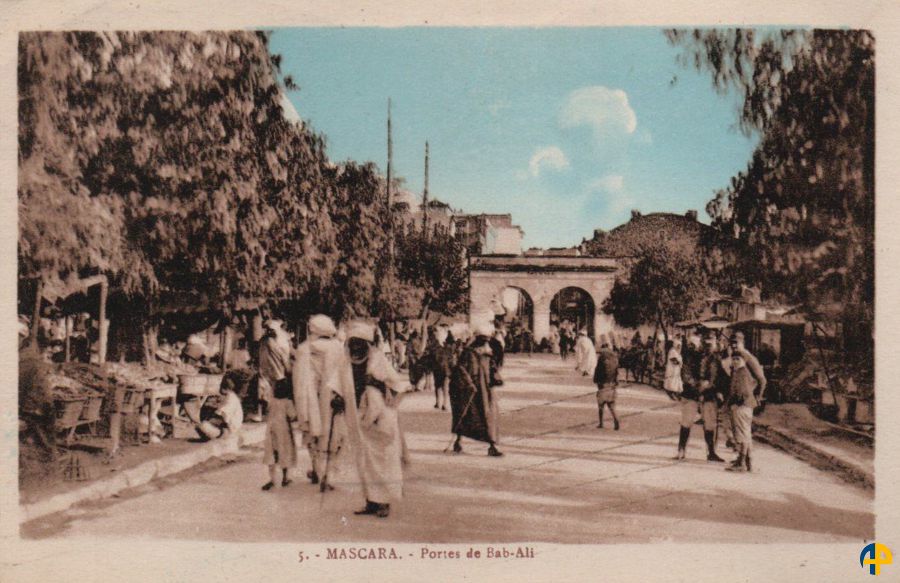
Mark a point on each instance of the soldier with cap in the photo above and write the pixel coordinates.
(748, 384)
(711, 396)
(689, 398)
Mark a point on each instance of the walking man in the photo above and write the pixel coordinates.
(476, 412)
(606, 375)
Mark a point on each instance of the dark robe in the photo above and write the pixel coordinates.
(476, 413)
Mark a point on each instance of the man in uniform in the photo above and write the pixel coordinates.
(710, 397)
(606, 375)
(743, 400)
(689, 398)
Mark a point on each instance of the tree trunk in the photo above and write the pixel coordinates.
(824, 362)
(103, 327)
(36, 320)
(68, 340)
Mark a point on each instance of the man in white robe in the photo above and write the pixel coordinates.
(317, 382)
(585, 356)
(377, 391)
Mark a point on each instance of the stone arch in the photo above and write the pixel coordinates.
(574, 304)
(523, 310)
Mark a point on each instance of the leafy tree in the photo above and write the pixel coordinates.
(803, 212)
(434, 263)
(665, 285)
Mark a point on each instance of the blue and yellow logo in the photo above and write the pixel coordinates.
(874, 555)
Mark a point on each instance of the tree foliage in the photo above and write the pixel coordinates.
(164, 160)
(664, 285)
(803, 211)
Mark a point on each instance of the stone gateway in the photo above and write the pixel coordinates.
(547, 283)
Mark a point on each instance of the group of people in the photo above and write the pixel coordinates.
(718, 386)
(342, 395)
(721, 387)
(342, 392)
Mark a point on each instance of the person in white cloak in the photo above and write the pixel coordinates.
(378, 389)
(585, 356)
(672, 382)
(317, 382)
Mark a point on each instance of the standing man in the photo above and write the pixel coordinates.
(373, 389)
(315, 386)
(606, 376)
(585, 356)
(711, 396)
(476, 412)
(443, 363)
(274, 358)
(564, 341)
(753, 365)
(743, 400)
(691, 362)
(723, 387)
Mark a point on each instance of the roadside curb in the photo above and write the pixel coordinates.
(143, 474)
(815, 457)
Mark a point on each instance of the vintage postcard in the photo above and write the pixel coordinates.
(401, 292)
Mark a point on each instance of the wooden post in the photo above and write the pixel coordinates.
(68, 340)
(36, 321)
(103, 328)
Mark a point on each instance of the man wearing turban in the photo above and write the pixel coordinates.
(375, 390)
(476, 413)
(316, 382)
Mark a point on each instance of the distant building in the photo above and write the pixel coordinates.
(489, 234)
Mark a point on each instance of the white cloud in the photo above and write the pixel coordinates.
(612, 186)
(550, 157)
(605, 110)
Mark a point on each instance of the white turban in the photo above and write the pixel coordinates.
(322, 326)
(362, 330)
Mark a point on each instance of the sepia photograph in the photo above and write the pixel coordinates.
(447, 294)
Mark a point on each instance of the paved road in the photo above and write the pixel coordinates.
(561, 480)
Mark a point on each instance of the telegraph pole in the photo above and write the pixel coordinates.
(425, 197)
(390, 206)
(390, 158)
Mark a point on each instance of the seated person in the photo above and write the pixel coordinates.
(224, 420)
(195, 352)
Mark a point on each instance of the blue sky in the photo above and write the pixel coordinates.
(567, 129)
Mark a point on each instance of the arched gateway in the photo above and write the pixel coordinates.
(542, 279)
